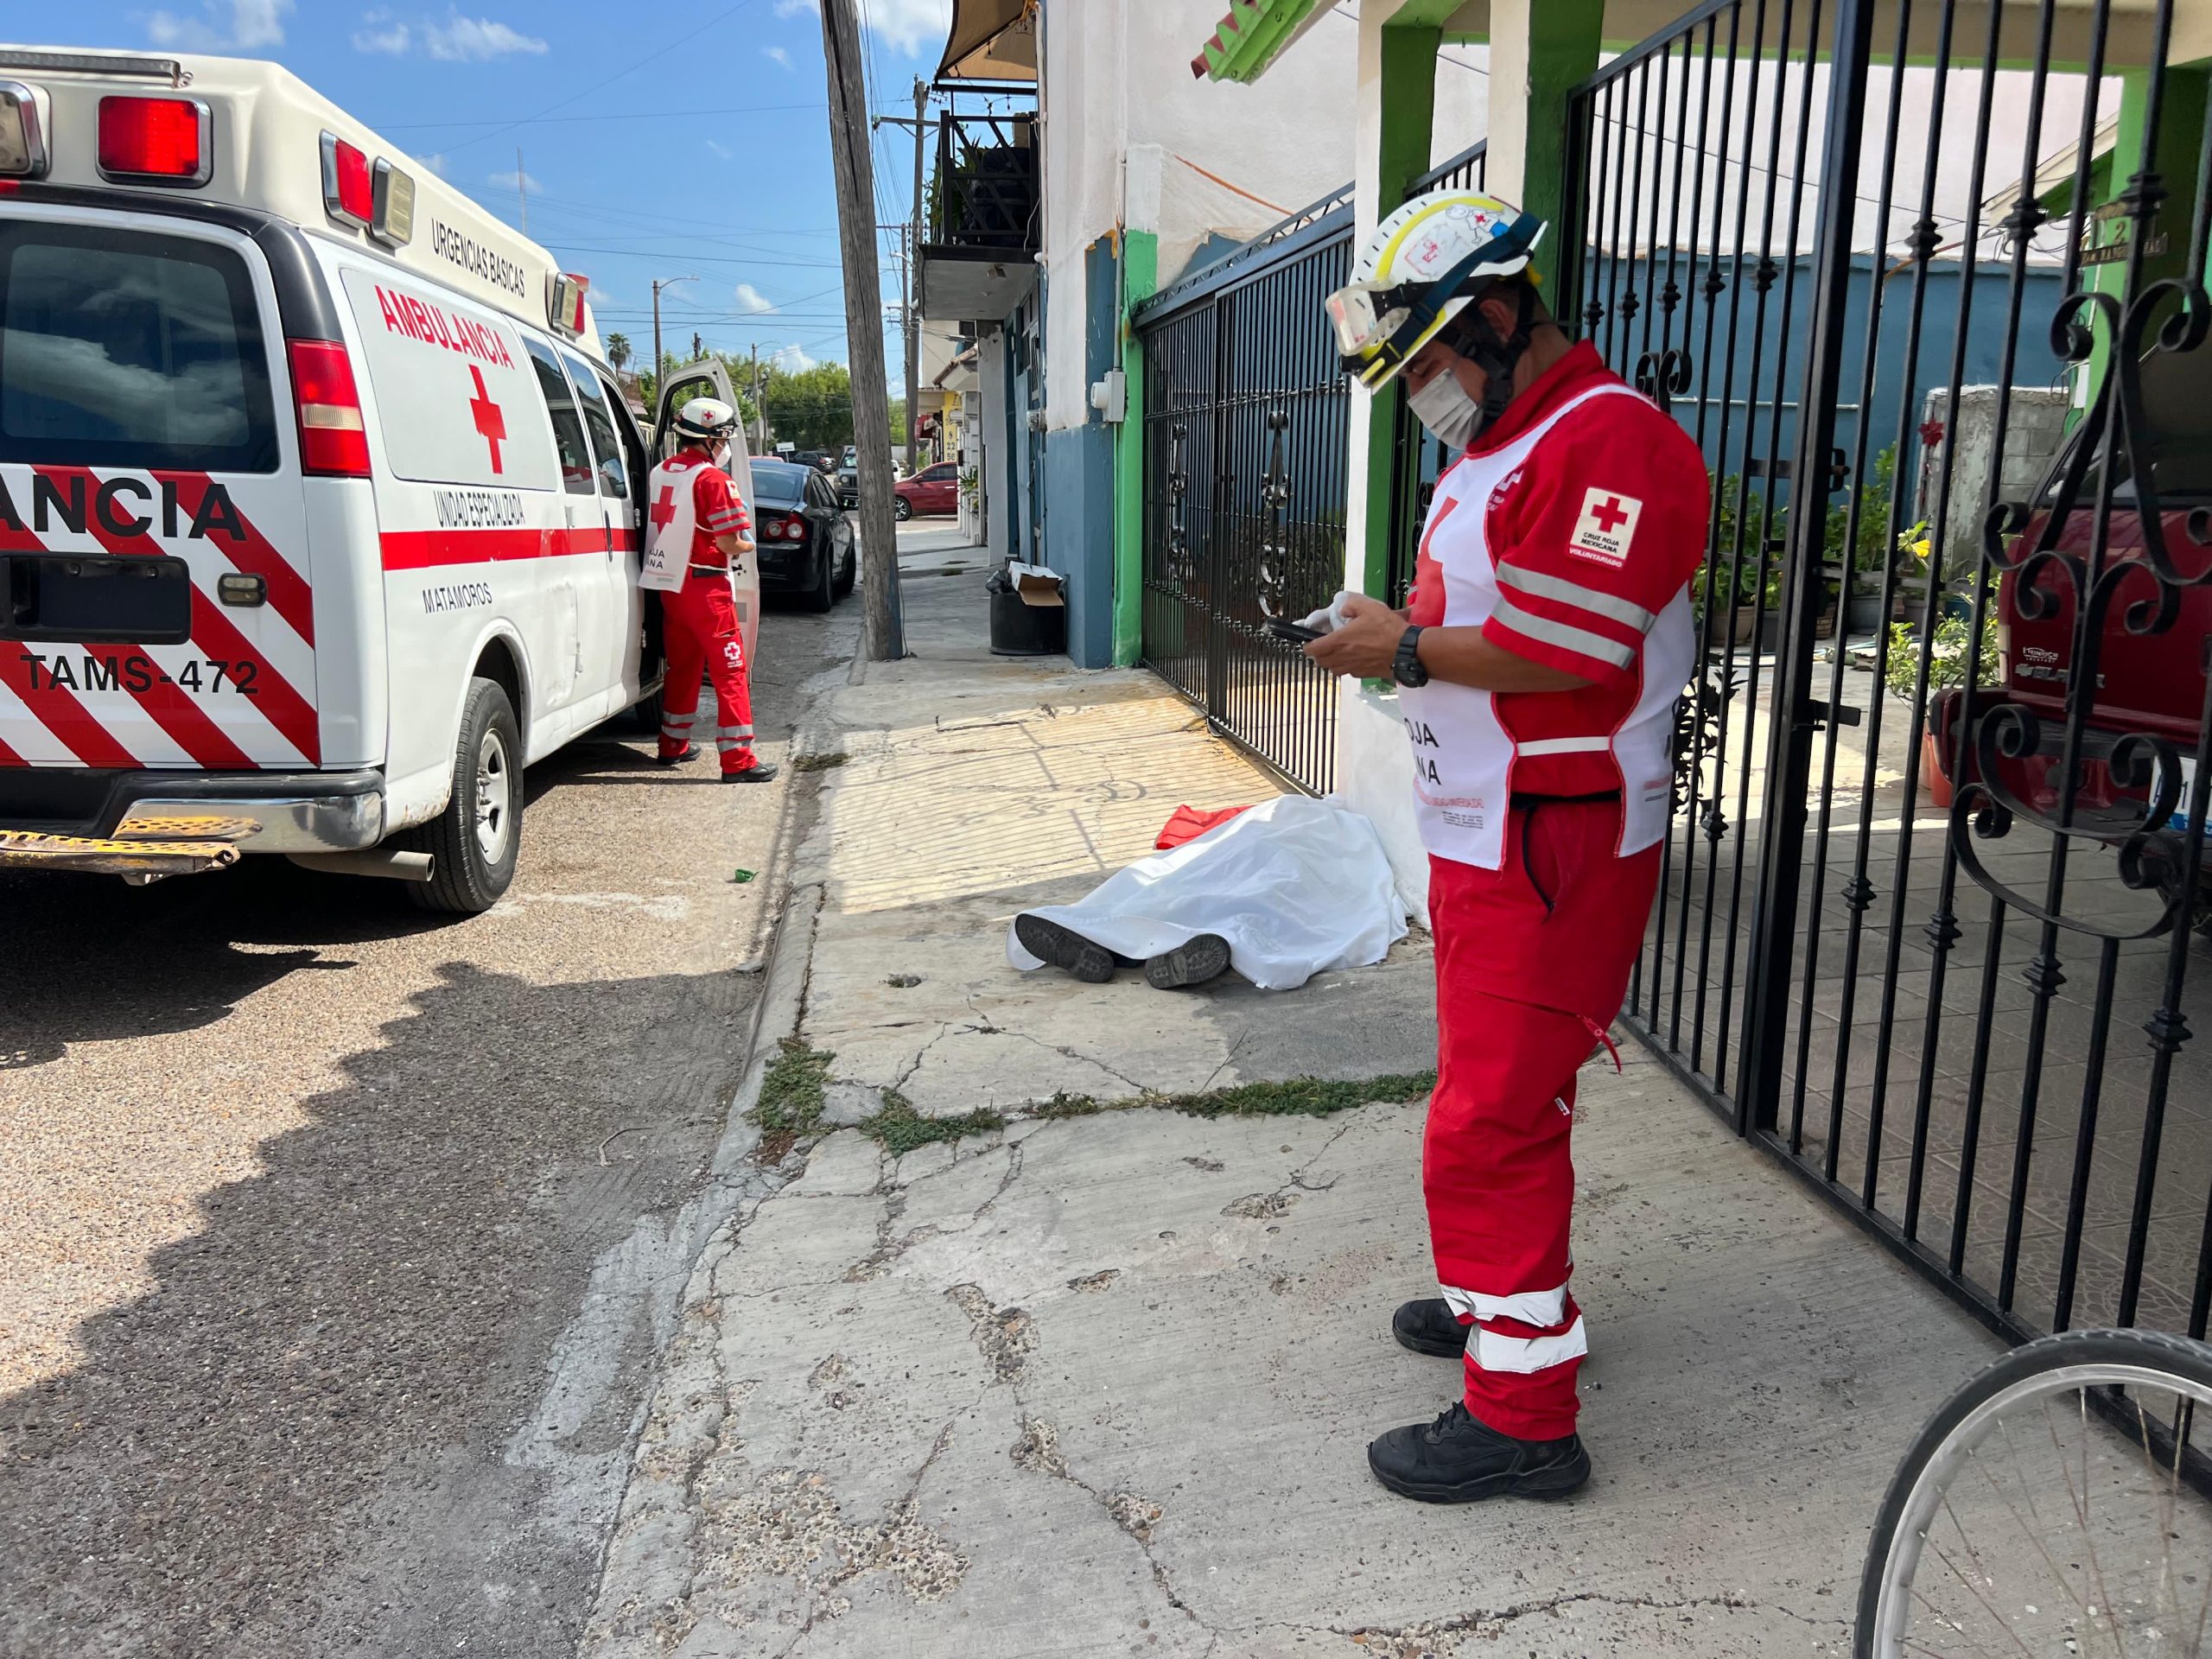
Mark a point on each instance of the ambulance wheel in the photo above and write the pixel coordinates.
(475, 840)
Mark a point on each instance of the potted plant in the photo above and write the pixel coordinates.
(1948, 656)
(1871, 552)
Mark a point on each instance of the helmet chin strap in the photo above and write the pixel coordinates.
(1497, 357)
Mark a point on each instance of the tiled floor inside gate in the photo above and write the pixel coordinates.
(1856, 1067)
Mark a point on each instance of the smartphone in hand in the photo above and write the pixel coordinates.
(1297, 633)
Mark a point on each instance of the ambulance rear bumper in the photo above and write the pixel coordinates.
(257, 812)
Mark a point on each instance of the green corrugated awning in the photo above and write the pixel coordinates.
(1252, 36)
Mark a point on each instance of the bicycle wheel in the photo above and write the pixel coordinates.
(2043, 1514)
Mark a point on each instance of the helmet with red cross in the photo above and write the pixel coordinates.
(1426, 263)
(706, 420)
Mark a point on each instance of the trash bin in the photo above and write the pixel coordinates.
(1029, 615)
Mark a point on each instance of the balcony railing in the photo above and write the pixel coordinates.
(985, 198)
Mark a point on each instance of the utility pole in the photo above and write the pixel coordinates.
(914, 289)
(658, 286)
(855, 170)
(522, 189)
(909, 280)
(759, 407)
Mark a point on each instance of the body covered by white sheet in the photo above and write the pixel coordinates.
(1297, 886)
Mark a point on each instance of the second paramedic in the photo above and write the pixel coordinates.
(1546, 636)
(690, 493)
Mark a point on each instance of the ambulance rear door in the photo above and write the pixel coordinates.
(158, 600)
(708, 377)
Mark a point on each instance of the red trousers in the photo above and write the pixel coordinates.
(1532, 963)
(699, 630)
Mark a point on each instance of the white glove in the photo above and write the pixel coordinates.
(1330, 617)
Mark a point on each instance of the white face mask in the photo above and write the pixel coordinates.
(1444, 407)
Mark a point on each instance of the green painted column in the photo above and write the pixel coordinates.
(1140, 278)
(1564, 38)
(1408, 126)
(2174, 157)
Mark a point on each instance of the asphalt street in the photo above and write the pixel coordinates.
(336, 1240)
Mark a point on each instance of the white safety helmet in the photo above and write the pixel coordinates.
(707, 420)
(1425, 264)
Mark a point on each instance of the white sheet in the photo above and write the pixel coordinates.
(1298, 886)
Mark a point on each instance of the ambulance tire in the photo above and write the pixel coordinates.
(467, 876)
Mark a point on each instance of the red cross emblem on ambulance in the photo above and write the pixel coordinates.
(490, 424)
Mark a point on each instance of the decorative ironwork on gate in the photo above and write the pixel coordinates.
(1941, 330)
(1245, 475)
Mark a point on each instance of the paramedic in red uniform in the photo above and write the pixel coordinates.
(1539, 660)
(690, 489)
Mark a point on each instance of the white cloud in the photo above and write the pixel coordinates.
(472, 40)
(909, 25)
(753, 302)
(381, 33)
(721, 148)
(229, 25)
(776, 54)
(436, 163)
(792, 360)
(509, 180)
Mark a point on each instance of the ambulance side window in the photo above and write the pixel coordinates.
(626, 429)
(568, 425)
(600, 425)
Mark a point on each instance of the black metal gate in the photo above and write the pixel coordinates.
(1244, 488)
(1930, 906)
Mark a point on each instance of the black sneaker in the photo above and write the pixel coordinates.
(1459, 1458)
(1064, 948)
(762, 773)
(690, 752)
(1429, 1326)
(1192, 963)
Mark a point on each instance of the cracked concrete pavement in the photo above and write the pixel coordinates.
(1103, 1384)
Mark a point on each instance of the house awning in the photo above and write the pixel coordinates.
(1253, 35)
(991, 40)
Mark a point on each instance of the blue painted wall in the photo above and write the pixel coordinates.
(1896, 392)
(1078, 475)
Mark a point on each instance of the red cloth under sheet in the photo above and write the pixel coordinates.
(1188, 823)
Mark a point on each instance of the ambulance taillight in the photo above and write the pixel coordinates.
(334, 439)
(564, 307)
(348, 192)
(393, 223)
(22, 132)
(155, 141)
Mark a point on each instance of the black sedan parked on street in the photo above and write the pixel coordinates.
(807, 544)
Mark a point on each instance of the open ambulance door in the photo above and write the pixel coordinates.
(708, 377)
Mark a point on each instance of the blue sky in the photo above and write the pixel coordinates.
(622, 189)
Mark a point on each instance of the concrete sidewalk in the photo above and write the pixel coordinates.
(1098, 1377)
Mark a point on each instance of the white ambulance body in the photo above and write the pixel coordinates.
(319, 504)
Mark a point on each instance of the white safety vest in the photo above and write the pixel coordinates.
(1463, 755)
(671, 523)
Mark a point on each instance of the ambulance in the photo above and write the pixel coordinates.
(320, 509)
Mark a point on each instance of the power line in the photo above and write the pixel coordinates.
(605, 81)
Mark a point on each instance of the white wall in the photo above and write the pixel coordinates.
(990, 374)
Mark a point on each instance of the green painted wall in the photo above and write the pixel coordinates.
(1409, 127)
(1140, 278)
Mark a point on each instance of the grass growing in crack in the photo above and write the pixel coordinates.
(900, 1129)
(819, 762)
(1299, 1097)
(791, 1098)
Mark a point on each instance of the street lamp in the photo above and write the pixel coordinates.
(658, 286)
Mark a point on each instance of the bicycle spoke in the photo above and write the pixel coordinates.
(2035, 1538)
(1974, 1590)
(2082, 1511)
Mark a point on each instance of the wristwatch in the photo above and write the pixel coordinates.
(1404, 667)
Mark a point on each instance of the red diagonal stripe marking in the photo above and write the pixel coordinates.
(172, 708)
(289, 591)
(285, 708)
(62, 714)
